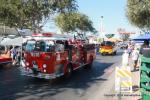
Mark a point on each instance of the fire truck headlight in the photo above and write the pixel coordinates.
(44, 65)
(27, 63)
(44, 71)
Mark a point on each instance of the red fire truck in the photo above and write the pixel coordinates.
(50, 55)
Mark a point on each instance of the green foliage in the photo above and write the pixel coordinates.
(138, 13)
(74, 22)
(31, 13)
(63, 6)
(125, 37)
(109, 35)
(99, 40)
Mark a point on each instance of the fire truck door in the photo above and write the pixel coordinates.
(61, 59)
(80, 55)
(70, 55)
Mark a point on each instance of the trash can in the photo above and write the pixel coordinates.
(145, 78)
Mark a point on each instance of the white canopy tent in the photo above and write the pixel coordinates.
(12, 41)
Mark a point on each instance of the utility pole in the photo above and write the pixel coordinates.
(101, 27)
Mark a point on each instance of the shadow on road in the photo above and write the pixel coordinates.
(14, 86)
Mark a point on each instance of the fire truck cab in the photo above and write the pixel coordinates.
(50, 56)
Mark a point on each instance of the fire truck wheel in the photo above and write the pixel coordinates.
(69, 71)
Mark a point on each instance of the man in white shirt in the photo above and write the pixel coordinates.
(135, 56)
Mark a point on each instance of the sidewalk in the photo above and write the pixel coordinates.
(107, 90)
(135, 95)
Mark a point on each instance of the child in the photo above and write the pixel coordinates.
(13, 55)
(135, 56)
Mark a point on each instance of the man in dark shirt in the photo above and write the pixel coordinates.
(145, 49)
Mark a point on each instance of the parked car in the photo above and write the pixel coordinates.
(124, 45)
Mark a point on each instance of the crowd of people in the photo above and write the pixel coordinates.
(15, 55)
(135, 52)
(13, 52)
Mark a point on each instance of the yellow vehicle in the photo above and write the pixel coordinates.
(108, 47)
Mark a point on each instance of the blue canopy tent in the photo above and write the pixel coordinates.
(142, 37)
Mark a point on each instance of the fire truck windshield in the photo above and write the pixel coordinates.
(44, 46)
(30, 45)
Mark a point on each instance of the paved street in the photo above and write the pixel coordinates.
(81, 86)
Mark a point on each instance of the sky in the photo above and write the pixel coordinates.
(113, 12)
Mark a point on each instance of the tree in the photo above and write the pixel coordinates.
(109, 35)
(74, 22)
(138, 13)
(32, 14)
(125, 37)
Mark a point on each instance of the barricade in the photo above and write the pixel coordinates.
(123, 79)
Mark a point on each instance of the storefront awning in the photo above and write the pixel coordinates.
(143, 37)
(12, 41)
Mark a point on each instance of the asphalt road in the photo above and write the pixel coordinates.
(80, 86)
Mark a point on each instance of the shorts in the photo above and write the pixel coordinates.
(14, 57)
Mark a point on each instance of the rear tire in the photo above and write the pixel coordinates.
(89, 66)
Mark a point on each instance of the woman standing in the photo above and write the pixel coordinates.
(135, 56)
(13, 55)
(130, 48)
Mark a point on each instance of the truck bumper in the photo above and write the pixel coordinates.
(29, 72)
(26, 71)
(106, 51)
